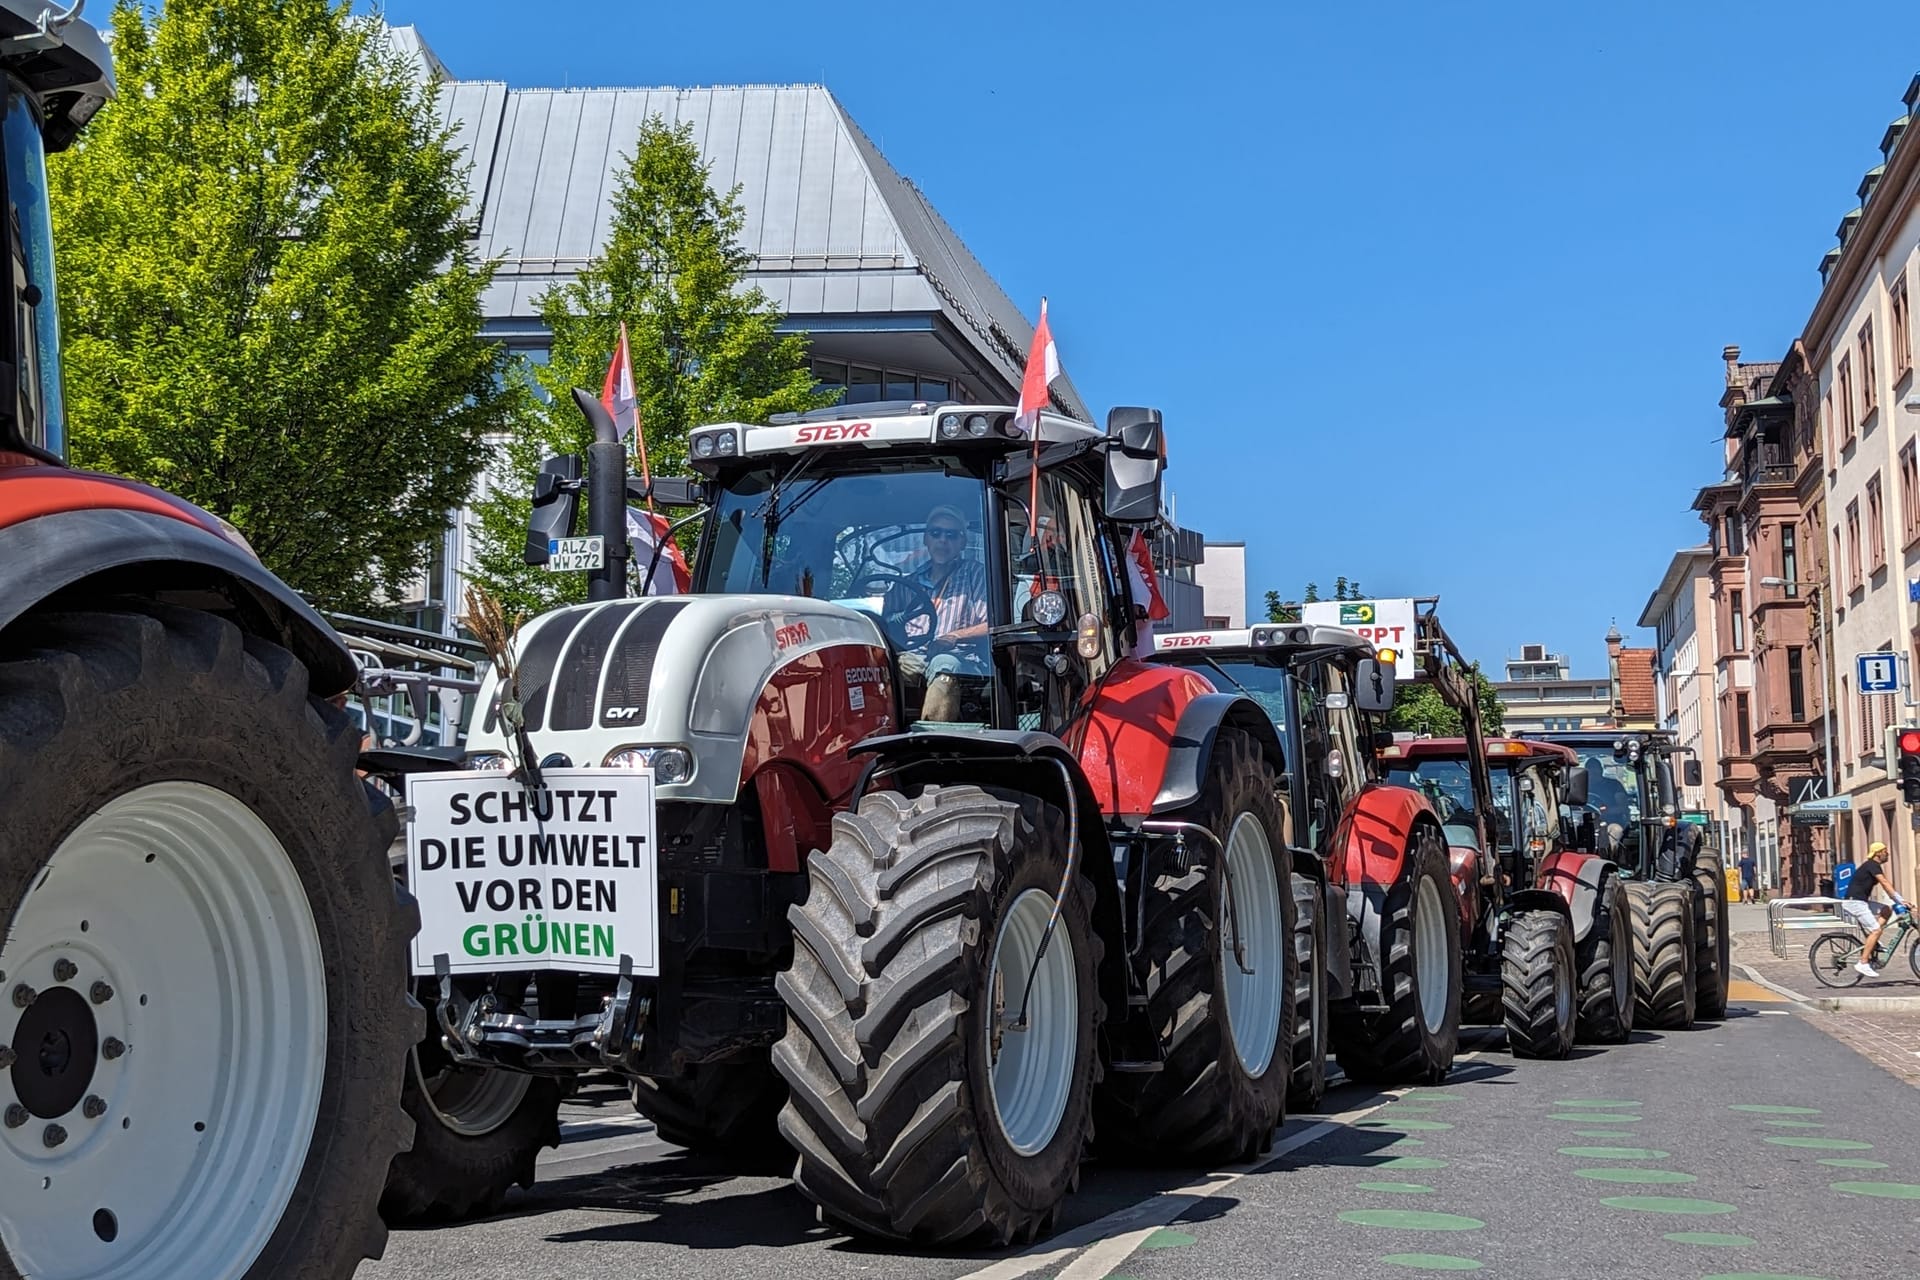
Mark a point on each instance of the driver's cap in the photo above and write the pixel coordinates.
(1875, 847)
(951, 513)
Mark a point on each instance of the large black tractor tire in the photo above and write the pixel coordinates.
(477, 1133)
(1414, 1040)
(1605, 958)
(1223, 1089)
(1482, 1009)
(897, 1020)
(730, 1110)
(1711, 963)
(1308, 1087)
(1537, 984)
(226, 832)
(1663, 959)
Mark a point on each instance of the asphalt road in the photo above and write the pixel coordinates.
(1757, 1147)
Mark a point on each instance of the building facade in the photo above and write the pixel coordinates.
(1540, 694)
(1223, 585)
(1680, 612)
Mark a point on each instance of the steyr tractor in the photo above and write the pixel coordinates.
(1377, 931)
(203, 959)
(1548, 929)
(881, 841)
(1675, 876)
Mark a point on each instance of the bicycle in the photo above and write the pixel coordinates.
(1833, 955)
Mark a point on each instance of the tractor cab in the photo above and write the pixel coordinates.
(1631, 814)
(994, 566)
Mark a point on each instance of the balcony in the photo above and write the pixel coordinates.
(1766, 464)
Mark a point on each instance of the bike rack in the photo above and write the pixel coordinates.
(1778, 924)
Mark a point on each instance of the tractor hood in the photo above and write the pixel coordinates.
(670, 671)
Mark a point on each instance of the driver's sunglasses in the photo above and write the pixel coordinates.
(943, 531)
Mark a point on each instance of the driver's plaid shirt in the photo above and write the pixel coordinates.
(961, 600)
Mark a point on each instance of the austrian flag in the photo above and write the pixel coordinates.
(1043, 370)
(1148, 605)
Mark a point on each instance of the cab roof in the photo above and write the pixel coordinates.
(893, 424)
(1498, 749)
(1274, 638)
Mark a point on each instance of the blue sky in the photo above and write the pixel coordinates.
(1433, 295)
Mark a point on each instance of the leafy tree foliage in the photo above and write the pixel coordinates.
(270, 302)
(704, 349)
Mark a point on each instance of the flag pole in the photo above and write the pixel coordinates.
(639, 419)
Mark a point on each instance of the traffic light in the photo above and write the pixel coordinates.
(1909, 750)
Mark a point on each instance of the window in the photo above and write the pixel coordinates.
(1909, 495)
(1845, 378)
(1869, 392)
(1743, 720)
(1901, 330)
(1876, 529)
(1736, 542)
(1853, 545)
(1846, 709)
(1831, 443)
(1796, 684)
(1737, 619)
(1789, 561)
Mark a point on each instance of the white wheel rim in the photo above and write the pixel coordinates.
(1252, 926)
(1430, 955)
(182, 901)
(1032, 1073)
(470, 1101)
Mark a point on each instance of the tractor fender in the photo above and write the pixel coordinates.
(1190, 754)
(137, 550)
(1129, 730)
(1537, 900)
(1371, 845)
(1579, 880)
(1023, 761)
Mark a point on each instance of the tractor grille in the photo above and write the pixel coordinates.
(630, 669)
(536, 670)
(579, 676)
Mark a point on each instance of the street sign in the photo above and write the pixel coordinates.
(1878, 672)
(1832, 804)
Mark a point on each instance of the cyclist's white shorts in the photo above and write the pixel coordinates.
(1861, 913)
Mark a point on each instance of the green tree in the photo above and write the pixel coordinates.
(271, 306)
(704, 348)
(1279, 610)
(1419, 708)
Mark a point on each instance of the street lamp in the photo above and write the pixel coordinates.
(1912, 403)
(1833, 778)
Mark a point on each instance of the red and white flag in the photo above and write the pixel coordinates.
(623, 402)
(647, 530)
(1148, 604)
(1043, 370)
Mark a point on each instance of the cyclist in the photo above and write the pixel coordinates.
(1863, 910)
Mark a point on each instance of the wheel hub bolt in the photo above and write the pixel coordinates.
(24, 995)
(94, 1107)
(54, 1135)
(111, 1048)
(101, 993)
(16, 1116)
(64, 969)
(6, 1057)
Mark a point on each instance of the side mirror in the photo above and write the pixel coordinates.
(556, 505)
(1574, 790)
(669, 491)
(1373, 685)
(1690, 773)
(1136, 456)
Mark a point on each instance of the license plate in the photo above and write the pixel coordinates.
(508, 878)
(567, 555)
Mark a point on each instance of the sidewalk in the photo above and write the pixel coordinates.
(1878, 1019)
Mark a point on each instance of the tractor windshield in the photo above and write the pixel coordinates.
(1448, 784)
(36, 330)
(1270, 686)
(1617, 798)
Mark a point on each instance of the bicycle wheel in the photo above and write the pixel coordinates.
(1913, 955)
(1832, 957)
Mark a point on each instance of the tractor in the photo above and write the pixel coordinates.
(1675, 876)
(884, 847)
(1548, 929)
(1378, 939)
(204, 951)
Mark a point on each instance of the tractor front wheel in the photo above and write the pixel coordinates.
(1537, 984)
(1414, 1038)
(1663, 954)
(943, 1019)
(725, 1109)
(1309, 1084)
(1606, 969)
(1711, 964)
(1220, 944)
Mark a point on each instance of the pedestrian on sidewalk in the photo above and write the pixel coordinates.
(1863, 910)
(1749, 869)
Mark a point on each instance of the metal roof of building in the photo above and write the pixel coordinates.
(833, 230)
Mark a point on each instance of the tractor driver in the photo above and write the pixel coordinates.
(1608, 799)
(945, 604)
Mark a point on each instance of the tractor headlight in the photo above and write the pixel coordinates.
(725, 445)
(1049, 608)
(669, 764)
(489, 761)
(949, 426)
(703, 446)
(977, 425)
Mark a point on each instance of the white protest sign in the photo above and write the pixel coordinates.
(565, 877)
(1387, 623)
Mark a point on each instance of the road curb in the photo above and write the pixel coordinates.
(1836, 1004)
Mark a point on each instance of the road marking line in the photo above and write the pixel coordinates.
(1106, 1250)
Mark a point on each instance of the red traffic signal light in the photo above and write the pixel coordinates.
(1908, 772)
(1910, 742)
